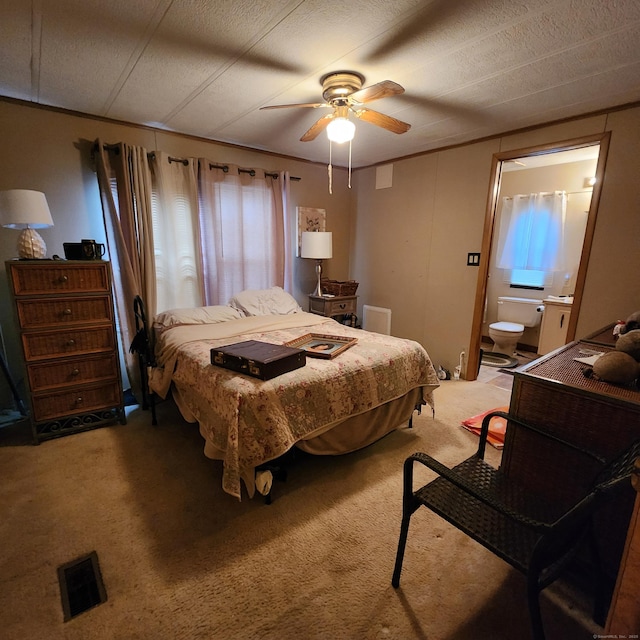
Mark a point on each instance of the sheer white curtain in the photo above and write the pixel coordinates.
(532, 232)
(184, 232)
(124, 180)
(176, 232)
(242, 231)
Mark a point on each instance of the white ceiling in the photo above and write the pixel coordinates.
(471, 68)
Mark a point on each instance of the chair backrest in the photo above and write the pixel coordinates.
(571, 525)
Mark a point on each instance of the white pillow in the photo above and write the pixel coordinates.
(265, 302)
(197, 315)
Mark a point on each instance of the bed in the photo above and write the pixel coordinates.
(330, 406)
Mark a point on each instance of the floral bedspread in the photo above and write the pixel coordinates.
(246, 421)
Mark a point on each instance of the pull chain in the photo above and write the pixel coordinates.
(330, 171)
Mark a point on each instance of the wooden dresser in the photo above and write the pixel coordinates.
(554, 394)
(67, 328)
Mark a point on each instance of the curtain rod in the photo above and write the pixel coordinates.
(251, 172)
(567, 193)
(225, 168)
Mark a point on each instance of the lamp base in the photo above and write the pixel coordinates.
(31, 246)
(318, 290)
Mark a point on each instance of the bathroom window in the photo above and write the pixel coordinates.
(531, 240)
(528, 278)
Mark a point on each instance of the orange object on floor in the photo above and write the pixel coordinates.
(497, 427)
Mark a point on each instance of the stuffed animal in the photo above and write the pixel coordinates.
(629, 342)
(631, 323)
(622, 365)
(616, 367)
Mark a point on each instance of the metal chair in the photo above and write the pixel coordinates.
(141, 344)
(526, 530)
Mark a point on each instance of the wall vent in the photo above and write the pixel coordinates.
(376, 319)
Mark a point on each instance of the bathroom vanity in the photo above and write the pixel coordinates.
(555, 322)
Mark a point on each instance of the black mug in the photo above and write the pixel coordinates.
(92, 250)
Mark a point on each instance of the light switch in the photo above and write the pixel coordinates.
(473, 259)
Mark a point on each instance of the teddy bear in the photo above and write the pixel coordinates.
(621, 365)
(631, 323)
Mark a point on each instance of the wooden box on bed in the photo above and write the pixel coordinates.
(258, 359)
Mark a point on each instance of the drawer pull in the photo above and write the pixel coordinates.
(71, 342)
(67, 312)
(79, 400)
(343, 305)
(75, 372)
(64, 279)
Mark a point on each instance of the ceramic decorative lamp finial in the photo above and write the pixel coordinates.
(26, 210)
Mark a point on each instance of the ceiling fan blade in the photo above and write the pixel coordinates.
(381, 120)
(314, 105)
(317, 127)
(384, 89)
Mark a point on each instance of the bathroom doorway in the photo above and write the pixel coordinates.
(532, 159)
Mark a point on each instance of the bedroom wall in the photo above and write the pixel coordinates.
(49, 151)
(410, 241)
(406, 245)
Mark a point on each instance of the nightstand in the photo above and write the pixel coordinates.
(331, 307)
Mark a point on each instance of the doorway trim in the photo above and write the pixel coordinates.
(473, 360)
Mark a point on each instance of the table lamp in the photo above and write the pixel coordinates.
(26, 210)
(317, 245)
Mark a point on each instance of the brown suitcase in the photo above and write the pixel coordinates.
(258, 359)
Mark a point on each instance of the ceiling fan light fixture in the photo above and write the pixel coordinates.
(341, 130)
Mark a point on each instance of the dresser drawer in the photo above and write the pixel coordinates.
(81, 400)
(56, 344)
(64, 311)
(52, 375)
(59, 277)
(337, 307)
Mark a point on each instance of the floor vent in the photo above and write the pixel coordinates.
(81, 585)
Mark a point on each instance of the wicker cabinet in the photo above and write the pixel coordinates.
(66, 320)
(554, 394)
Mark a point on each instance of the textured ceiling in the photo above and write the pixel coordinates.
(470, 68)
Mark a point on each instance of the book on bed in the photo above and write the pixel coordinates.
(258, 359)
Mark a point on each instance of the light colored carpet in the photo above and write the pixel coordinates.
(181, 559)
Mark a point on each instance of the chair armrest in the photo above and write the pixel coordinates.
(468, 487)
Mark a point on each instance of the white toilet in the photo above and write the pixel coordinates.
(514, 314)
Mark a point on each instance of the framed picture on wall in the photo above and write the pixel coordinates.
(310, 219)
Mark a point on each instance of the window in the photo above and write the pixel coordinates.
(531, 241)
(527, 277)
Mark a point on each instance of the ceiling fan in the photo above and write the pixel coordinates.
(343, 93)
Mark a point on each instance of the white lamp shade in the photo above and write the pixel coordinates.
(24, 209)
(341, 130)
(316, 244)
